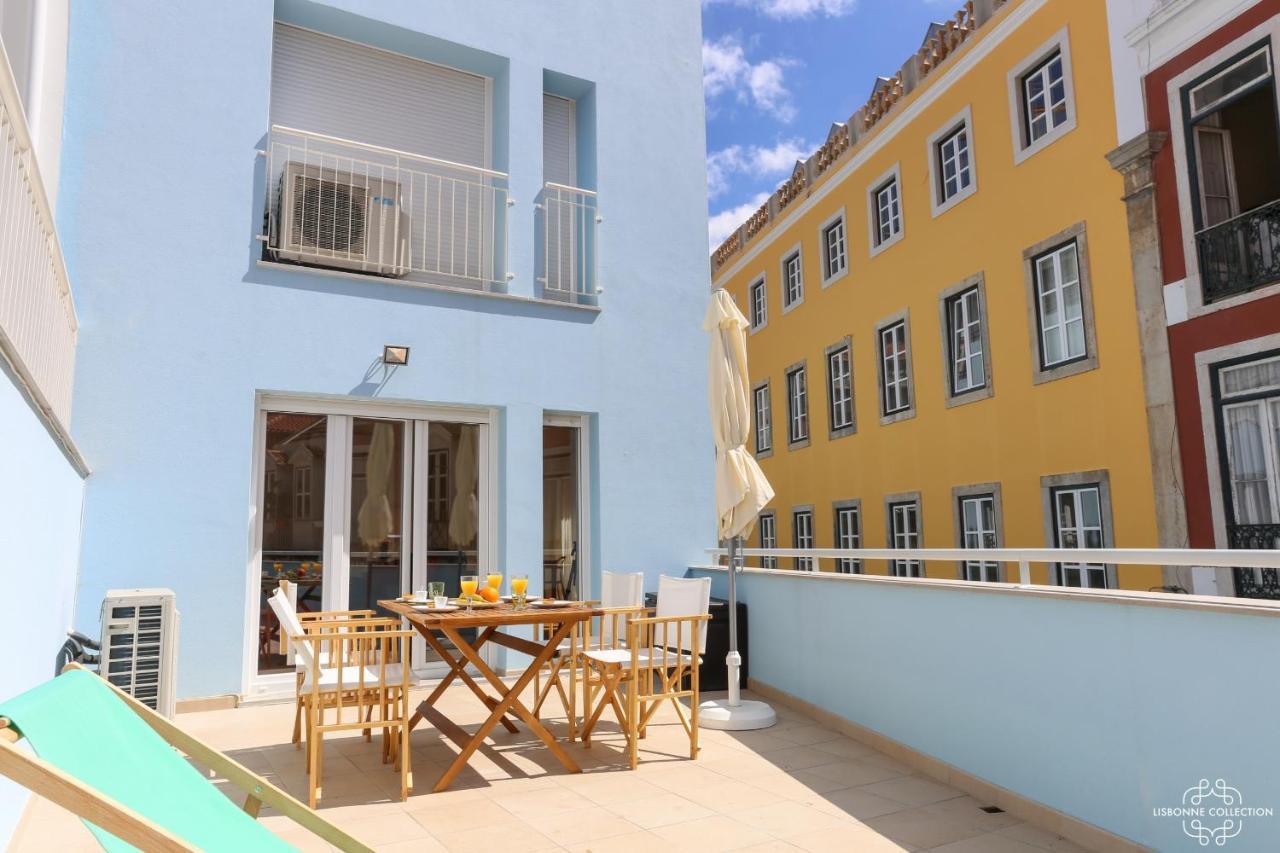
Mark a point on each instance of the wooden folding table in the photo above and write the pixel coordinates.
(487, 621)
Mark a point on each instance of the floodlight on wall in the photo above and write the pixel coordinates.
(395, 355)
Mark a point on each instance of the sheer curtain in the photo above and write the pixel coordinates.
(1251, 488)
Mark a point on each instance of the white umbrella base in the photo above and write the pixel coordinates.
(749, 714)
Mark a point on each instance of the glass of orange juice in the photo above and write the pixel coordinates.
(495, 580)
(469, 584)
(519, 588)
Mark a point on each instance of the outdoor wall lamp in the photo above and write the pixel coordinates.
(395, 355)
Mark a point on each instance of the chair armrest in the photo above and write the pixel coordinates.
(320, 615)
(665, 620)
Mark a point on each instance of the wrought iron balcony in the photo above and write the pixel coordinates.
(1240, 254)
(1259, 582)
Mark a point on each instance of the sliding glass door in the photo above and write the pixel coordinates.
(359, 505)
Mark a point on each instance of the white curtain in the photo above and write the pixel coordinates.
(1250, 486)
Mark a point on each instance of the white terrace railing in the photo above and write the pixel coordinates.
(342, 204)
(37, 315)
(1089, 564)
(568, 219)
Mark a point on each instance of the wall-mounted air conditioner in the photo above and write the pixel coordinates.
(140, 645)
(332, 218)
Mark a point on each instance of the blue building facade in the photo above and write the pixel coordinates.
(257, 199)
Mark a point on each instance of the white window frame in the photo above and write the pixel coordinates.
(1194, 288)
(1040, 370)
(846, 519)
(762, 418)
(792, 261)
(890, 180)
(978, 570)
(898, 510)
(840, 390)
(1061, 330)
(302, 492)
(940, 202)
(758, 319)
(802, 536)
(1023, 145)
(1052, 488)
(965, 341)
(900, 384)
(798, 408)
(836, 223)
(767, 522)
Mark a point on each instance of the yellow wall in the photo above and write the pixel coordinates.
(1094, 420)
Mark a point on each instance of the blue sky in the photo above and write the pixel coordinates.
(777, 73)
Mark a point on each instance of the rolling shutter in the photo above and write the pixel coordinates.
(559, 149)
(336, 87)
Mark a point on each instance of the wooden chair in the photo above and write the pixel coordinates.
(662, 653)
(353, 675)
(622, 597)
(116, 763)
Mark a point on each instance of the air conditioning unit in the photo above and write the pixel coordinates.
(331, 218)
(140, 645)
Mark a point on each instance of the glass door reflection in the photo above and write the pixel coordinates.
(377, 503)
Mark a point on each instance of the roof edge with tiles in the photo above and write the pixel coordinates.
(941, 41)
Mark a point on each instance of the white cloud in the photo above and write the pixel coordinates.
(726, 69)
(784, 10)
(753, 160)
(724, 223)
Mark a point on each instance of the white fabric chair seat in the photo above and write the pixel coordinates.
(351, 677)
(651, 658)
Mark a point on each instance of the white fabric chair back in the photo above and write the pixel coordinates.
(683, 597)
(290, 591)
(290, 626)
(619, 590)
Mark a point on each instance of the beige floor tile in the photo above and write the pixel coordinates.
(773, 846)
(807, 735)
(1038, 837)
(796, 785)
(851, 772)
(785, 818)
(606, 788)
(386, 829)
(544, 801)
(733, 796)
(418, 845)
(659, 811)
(711, 834)
(632, 842)
(843, 839)
(920, 828)
(913, 790)
(857, 803)
(581, 825)
(993, 842)
(508, 837)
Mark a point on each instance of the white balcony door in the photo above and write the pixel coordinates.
(358, 505)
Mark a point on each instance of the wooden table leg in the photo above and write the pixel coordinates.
(510, 701)
(458, 668)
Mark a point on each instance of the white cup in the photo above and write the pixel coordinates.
(420, 595)
(442, 601)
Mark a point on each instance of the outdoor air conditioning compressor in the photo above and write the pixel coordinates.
(140, 645)
(333, 218)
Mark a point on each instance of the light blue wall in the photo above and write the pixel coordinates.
(1103, 711)
(40, 501)
(165, 108)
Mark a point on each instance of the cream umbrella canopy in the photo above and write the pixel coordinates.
(464, 517)
(374, 521)
(741, 488)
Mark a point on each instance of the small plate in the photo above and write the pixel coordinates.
(529, 598)
(475, 605)
(552, 603)
(430, 608)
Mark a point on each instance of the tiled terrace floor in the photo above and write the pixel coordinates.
(796, 786)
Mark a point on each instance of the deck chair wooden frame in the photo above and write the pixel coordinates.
(46, 780)
(313, 623)
(664, 652)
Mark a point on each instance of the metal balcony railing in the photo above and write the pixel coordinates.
(1255, 582)
(568, 219)
(1240, 254)
(1255, 556)
(343, 204)
(38, 325)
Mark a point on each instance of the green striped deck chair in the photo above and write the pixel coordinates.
(119, 766)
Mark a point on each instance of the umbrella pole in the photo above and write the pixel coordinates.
(733, 660)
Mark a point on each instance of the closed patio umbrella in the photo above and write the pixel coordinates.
(464, 513)
(741, 489)
(374, 521)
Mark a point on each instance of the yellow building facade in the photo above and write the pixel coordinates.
(959, 250)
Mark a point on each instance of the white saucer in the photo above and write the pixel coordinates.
(431, 608)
